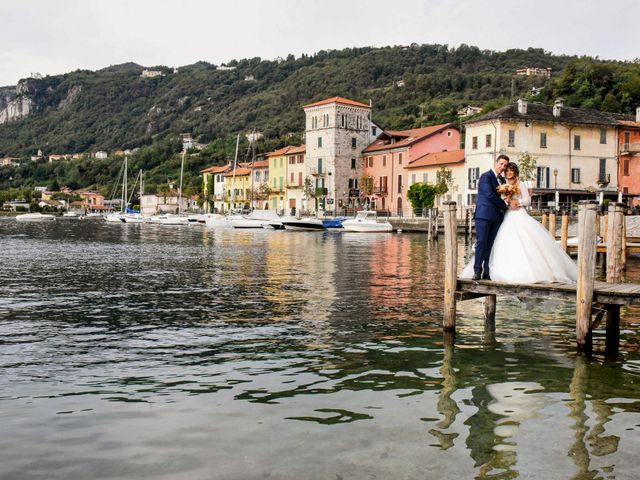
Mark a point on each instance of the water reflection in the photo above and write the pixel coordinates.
(135, 345)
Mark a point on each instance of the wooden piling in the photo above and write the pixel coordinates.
(450, 265)
(545, 220)
(430, 225)
(612, 333)
(490, 313)
(598, 233)
(586, 272)
(435, 224)
(624, 241)
(564, 231)
(615, 242)
(552, 224)
(605, 220)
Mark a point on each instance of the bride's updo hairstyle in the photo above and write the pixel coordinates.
(514, 168)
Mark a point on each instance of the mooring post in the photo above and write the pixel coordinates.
(586, 273)
(564, 232)
(605, 228)
(490, 313)
(624, 241)
(545, 220)
(614, 242)
(435, 224)
(450, 265)
(429, 224)
(552, 224)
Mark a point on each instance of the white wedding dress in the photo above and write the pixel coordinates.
(524, 252)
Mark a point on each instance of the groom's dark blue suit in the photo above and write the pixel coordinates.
(490, 208)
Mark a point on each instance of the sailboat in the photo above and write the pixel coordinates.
(119, 217)
(134, 216)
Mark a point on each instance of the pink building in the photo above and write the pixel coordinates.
(386, 158)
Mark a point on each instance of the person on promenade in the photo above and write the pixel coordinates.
(490, 208)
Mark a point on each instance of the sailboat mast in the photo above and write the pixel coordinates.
(233, 179)
(124, 187)
(180, 187)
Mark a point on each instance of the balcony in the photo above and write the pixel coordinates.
(317, 172)
(380, 191)
(603, 181)
(294, 185)
(630, 148)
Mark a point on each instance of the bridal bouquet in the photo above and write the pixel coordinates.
(507, 190)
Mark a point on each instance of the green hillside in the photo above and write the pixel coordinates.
(115, 108)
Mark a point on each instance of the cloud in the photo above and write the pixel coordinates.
(63, 35)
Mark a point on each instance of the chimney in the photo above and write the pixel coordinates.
(637, 114)
(522, 106)
(557, 106)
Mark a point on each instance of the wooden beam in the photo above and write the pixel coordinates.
(586, 273)
(450, 265)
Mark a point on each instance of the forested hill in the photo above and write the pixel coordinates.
(117, 108)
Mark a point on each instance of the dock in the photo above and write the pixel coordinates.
(594, 300)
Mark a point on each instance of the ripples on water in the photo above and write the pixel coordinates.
(129, 351)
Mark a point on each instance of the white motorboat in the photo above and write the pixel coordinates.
(215, 220)
(134, 218)
(35, 217)
(71, 214)
(366, 221)
(256, 219)
(114, 218)
(170, 219)
(197, 219)
(304, 223)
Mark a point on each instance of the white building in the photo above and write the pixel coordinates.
(101, 155)
(337, 130)
(165, 203)
(150, 73)
(575, 148)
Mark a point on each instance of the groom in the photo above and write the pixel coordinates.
(490, 208)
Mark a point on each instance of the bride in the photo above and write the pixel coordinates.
(523, 251)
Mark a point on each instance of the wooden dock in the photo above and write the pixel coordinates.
(594, 300)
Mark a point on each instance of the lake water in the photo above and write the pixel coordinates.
(136, 351)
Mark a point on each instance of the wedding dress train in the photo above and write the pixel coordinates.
(524, 252)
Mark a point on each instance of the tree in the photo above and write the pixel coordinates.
(444, 181)
(527, 166)
(54, 186)
(422, 195)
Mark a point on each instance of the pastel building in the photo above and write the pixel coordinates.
(213, 178)
(385, 161)
(575, 149)
(425, 170)
(337, 130)
(629, 159)
(277, 175)
(260, 177)
(296, 200)
(237, 185)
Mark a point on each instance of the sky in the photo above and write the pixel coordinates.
(58, 36)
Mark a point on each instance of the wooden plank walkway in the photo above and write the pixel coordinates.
(602, 248)
(606, 293)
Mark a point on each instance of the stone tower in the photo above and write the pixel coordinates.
(337, 130)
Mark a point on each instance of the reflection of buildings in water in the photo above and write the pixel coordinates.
(299, 269)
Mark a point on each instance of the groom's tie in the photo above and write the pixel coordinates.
(501, 180)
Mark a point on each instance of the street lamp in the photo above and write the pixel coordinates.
(555, 178)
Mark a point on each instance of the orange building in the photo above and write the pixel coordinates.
(386, 158)
(629, 160)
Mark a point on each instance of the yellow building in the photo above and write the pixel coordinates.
(237, 188)
(277, 178)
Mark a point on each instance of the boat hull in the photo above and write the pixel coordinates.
(303, 224)
(35, 217)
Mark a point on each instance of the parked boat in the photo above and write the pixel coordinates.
(333, 222)
(304, 223)
(170, 219)
(35, 217)
(256, 219)
(114, 218)
(366, 221)
(215, 220)
(71, 214)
